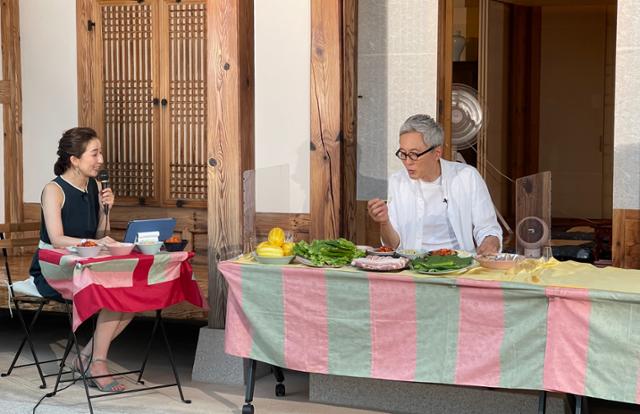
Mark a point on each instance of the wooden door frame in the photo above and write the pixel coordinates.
(11, 98)
(445, 71)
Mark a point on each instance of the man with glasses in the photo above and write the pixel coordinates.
(434, 203)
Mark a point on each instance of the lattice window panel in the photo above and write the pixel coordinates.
(128, 84)
(188, 108)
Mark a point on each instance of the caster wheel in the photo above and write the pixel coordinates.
(247, 409)
(280, 391)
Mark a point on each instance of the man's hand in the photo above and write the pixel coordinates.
(489, 246)
(378, 210)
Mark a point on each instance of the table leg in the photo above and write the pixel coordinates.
(247, 408)
(170, 354)
(578, 404)
(542, 402)
(67, 349)
(280, 390)
(151, 338)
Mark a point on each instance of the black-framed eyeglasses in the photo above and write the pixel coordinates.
(413, 156)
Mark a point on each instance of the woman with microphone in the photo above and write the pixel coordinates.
(73, 213)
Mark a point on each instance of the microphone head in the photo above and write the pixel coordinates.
(103, 175)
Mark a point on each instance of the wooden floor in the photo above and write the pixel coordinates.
(19, 266)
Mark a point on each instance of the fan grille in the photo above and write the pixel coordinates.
(466, 116)
(531, 231)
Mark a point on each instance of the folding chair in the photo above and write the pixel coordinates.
(12, 236)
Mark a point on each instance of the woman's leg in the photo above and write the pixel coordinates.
(108, 326)
(125, 318)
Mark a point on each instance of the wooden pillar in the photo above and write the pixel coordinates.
(12, 111)
(86, 52)
(350, 117)
(326, 106)
(230, 135)
(524, 90)
(445, 71)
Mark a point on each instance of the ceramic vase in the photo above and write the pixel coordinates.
(459, 43)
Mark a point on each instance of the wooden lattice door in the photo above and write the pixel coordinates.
(151, 106)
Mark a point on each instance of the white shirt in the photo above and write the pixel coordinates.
(469, 207)
(437, 232)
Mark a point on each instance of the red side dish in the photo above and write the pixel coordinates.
(442, 252)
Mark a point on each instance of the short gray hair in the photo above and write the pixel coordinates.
(431, 131)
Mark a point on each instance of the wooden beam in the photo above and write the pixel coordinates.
(12, 111)
(86, 56)
(350, 117)
(298, 223)
(445, 71)
(326, 85)
(230, 102)
(5, 92)
(625, 246)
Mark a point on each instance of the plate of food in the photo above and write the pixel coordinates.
(443, 252)
(440, 265)
(500, 261)
(381, 251)
(381, 263)
(411, 253)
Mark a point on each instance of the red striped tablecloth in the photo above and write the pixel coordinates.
(133, 283)
(440, 330)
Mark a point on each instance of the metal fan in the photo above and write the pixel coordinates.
(466, 116)
(531, 234)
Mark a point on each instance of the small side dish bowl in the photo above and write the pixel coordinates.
(92, 251)
(411, 253)
(501, 261)
(149, 247)
(273, 260)
(175, 246)
(120, 249)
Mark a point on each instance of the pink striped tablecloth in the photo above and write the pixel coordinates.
(439, 330)
(133, 283)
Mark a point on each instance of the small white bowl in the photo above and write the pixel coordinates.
(88, 251)
(149, 247)
(120, 249)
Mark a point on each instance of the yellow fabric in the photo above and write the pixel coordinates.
(537, 272)
(563, 274)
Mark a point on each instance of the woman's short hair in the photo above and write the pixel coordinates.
(431, 131)
(73, 143)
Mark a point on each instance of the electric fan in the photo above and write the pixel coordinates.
(532, 233)
(466, 118)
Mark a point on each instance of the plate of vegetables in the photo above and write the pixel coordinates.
(440, 265)
(326, 253)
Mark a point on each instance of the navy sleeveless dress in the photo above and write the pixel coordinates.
(80, 215)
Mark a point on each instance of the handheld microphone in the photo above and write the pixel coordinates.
(103, 177)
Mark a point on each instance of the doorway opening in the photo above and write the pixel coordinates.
(544, 73)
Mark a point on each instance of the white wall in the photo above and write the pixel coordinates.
(282, 113)
(626, 167)
(397, 68)
(49, 86)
